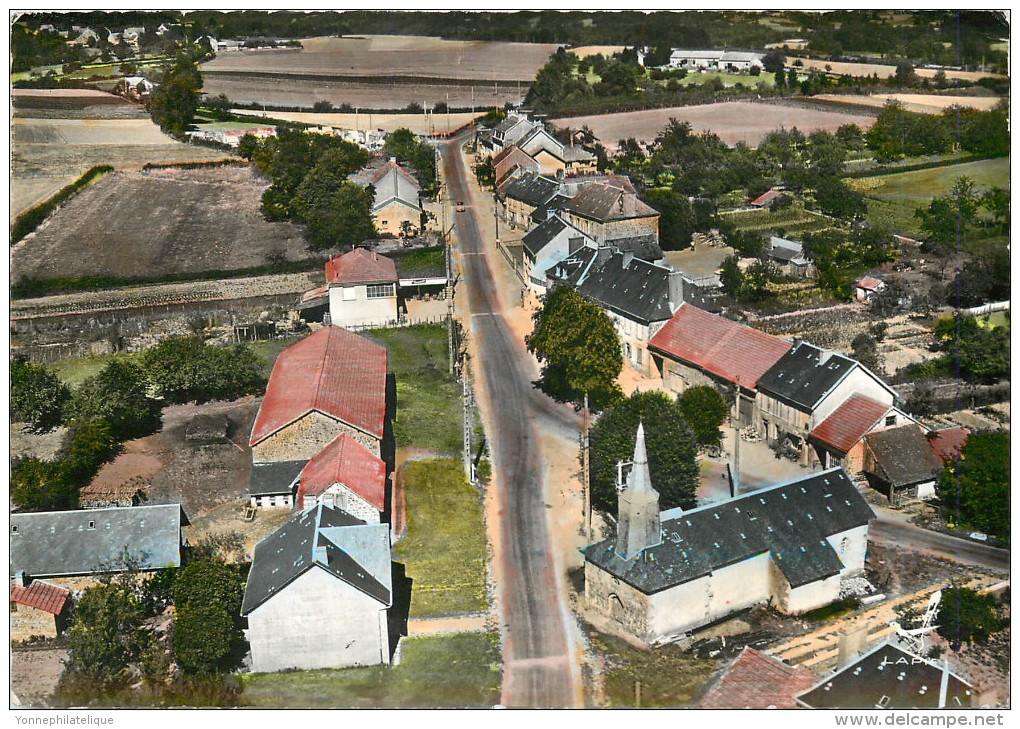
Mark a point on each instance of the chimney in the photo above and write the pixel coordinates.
(823, 356)
(675, 281)
(638, 525)
(319, 555)
(628, 256)
(853, 641)
(796, 342)
(603, 254)
(21, 578)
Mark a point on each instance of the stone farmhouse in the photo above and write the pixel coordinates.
(789, 256)
(663, 574)
(396, 209)
(715, 60)
(900, 463)
(328, 383)
(347, 476)
(613, 216)
(513, 160)
(319, 592)
(521, 195)
(274, 484)
(59, 544)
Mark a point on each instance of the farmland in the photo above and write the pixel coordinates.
(59, 134)
(883, 70)
(414, 56)
(438, 123)
(921, 103)
(149, 224)
(734, 121)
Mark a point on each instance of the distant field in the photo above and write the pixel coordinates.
(883, 70)
(922, 103)
(59, 134)
(437, 123)
(892, 199)
(733, 121)
(727, 79)
(130, 225)
(394, 55)
(585, 51)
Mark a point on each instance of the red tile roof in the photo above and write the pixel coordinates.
(757, 681)
(948, 442)
(719, 346)
(360, 266)
(347, 462)
(869, 282)
(848, 423)
(41, 595)
(766, 197)
(334, 372)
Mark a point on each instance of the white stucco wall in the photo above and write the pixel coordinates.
(853, 551)
(858, 382)
(810, 596)
(318, 621)
(350, 306)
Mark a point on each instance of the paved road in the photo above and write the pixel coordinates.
(536, 660)
(894, 533)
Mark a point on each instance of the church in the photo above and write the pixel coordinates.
(666, 573)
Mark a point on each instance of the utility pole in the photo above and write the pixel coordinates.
(586, 474)
(735, 477)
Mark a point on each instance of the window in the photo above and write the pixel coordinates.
(92, 525)
(14, 529)
(626, 349)
(380, 291)
(883, 702)
(890, 420)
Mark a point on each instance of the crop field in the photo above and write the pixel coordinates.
(792, 220)
(585, 51)
(417, 123)
(59, 134)
(883, 70)
(394, 55)
(892, 199)
(921, 103)
(304, 91)
(733, 121)
(148, 224)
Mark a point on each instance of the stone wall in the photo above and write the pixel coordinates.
(305, 437)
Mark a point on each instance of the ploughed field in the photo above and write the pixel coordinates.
(884, 70)
(149, 224)
(733, 121)
(921, 103)
(58, 134)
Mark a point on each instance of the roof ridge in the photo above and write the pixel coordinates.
(320, 370)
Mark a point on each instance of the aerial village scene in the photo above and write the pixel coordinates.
(545, 359)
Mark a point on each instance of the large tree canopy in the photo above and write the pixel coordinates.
(176, 98)
(705, 411)
(185, 369)
(966, 616)
(981, 482)
(37, 395)
(671, 444)
(579, 349)
(119, 395)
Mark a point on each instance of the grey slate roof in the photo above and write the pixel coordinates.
(531, 189)
(788, 251)
(545, 210)
(903, 456)
(630, 286)
(905, 680)
(800, 378)
(273, 479)
(321, 537)
(575, 267)
(64, 543)
(791, 522)
(601, 202)
(642, 246)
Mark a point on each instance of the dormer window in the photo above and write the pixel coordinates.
(14, 529)
(92, 524)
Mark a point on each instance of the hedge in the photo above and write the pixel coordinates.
(230, 162)
(32, 218)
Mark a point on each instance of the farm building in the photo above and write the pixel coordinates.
(804, 387)
(546, 245)
(867, 287)
(838, 440)
(347, 476)
(899, 463)
(397, 205)
(362, 289)
(612, 216)
(318, 594)
(715, 60)
(697, 348)
(554, 158)
(59, 544)
(328, 383)
(274, 485)
(891, 677)
(100, 493)
(757, 681)
(232, 137)
(512, 161)
(769, 199)
(789, 256)
(663, 574)
(38, 608)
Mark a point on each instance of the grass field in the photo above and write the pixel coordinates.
(995, 320)
(444, 548)
(453, 671)
(669, 677)
(428, 398)
(883, 70)
(922, 103)
(727, 79)
(417, 123)
(892, 199)
(733, 121)
(72, 371)
(794, 219)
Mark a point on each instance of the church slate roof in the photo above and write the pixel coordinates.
(790, 522)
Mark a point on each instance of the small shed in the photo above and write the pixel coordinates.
(867, 287)
(38, 608)
(769, 199)
(899, 462)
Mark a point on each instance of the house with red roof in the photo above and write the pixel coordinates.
(769, 199)
(757, 681)
(948, 442)
(838, 440)
(362, 288)
(867, 287)
(38, 608)
(329, 383)
(396, 208)
(695, 348)
(347, 476)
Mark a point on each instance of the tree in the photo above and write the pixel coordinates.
(705, 411)
(337, 212)
(207, 601)
(101, 635)
(43, 486)
(731, 277)
(671, 444)
(322, 106)
(93, 444)
(980, 480)
(865, 350)
(119, 395)
(37, 395)
(176, 98)
(185, 369)
(834, 197)
(966, 617)
(579, 349)
(676, 218)
(982, 354)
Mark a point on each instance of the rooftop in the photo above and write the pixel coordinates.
(327, 538)
(789, 522)
(601, 202)
(360, 266)
(804, 375)
(948, 442)
(530, 188)
(334, 372)
(80, 542)
(849, 422)
(630, 286)
(903, 456)
(721, 347)
(347, 462)
(275, 478)
(41, 596)
(757, 681)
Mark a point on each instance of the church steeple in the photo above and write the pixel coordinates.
(638, 518)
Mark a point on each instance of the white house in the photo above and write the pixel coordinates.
(318, 594)
(547, 244)
(715, 60)
(362, 289)
(663, 574)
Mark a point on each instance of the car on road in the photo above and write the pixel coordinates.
(460, 208)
